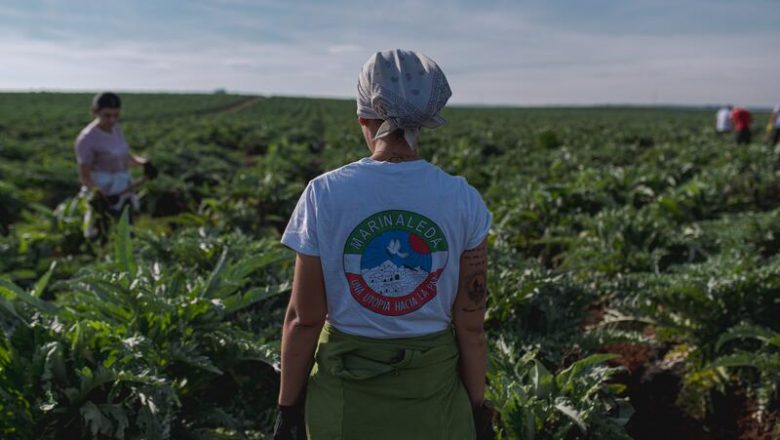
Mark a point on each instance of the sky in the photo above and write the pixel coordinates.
(522, 52)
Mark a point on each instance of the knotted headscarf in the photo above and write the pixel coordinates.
(405, 89)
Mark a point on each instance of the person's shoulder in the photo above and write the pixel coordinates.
(454, 183)
(455, 178)
(336, 176)
(87, 132)
(468, 188)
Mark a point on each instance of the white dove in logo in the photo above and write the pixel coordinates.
(394, 248)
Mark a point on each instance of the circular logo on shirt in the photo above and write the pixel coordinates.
(393, 261)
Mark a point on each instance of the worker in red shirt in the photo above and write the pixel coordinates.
(741, 119)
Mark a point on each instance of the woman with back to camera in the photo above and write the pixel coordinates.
(104, 158)
(383, 336)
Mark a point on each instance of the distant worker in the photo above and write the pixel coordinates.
(742, 120)
(723, 120)
(104, 160)
(773, 127)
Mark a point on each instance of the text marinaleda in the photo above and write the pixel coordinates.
(395, 220)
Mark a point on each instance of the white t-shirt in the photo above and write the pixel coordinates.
(723, 120)
(389, 237)
(103, 151)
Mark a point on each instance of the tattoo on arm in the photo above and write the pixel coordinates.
(477, 291)
(474, 266)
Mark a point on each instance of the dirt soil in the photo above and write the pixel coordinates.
(653, 384)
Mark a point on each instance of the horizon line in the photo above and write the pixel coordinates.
(226, 91)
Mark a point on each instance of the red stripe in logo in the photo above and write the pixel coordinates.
(393, 305)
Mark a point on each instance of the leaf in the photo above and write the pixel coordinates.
(748, 331)
(118, 413)
(530, 426)
(44, 281)
(235, 303)
(624, 412)
(248, 265)
(144, 377)
(109, 300)
(123, 250)
(198, 361)
(91, 380)
(746, 360)
(565, 377)
(217, 416)
(11, 291)
(541, 379)
(572, 413)
(8, 307)
(214, 278)
(95, 419)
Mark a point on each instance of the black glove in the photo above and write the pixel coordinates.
(290, 424)
(483, 421)
(112, 200)
(98, 202)
(150, 171)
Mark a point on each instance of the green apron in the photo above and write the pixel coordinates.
(396, 389)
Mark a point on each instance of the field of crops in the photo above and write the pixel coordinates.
(634, 278)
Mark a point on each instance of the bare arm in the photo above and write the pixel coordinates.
(305, 317)
(469, 316)
(134, 158)
(85, 177)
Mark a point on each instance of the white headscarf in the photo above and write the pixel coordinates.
(405, 89)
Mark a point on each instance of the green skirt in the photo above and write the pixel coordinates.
(396, 389)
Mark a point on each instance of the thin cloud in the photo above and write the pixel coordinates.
(344, 48)
(498, 53)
